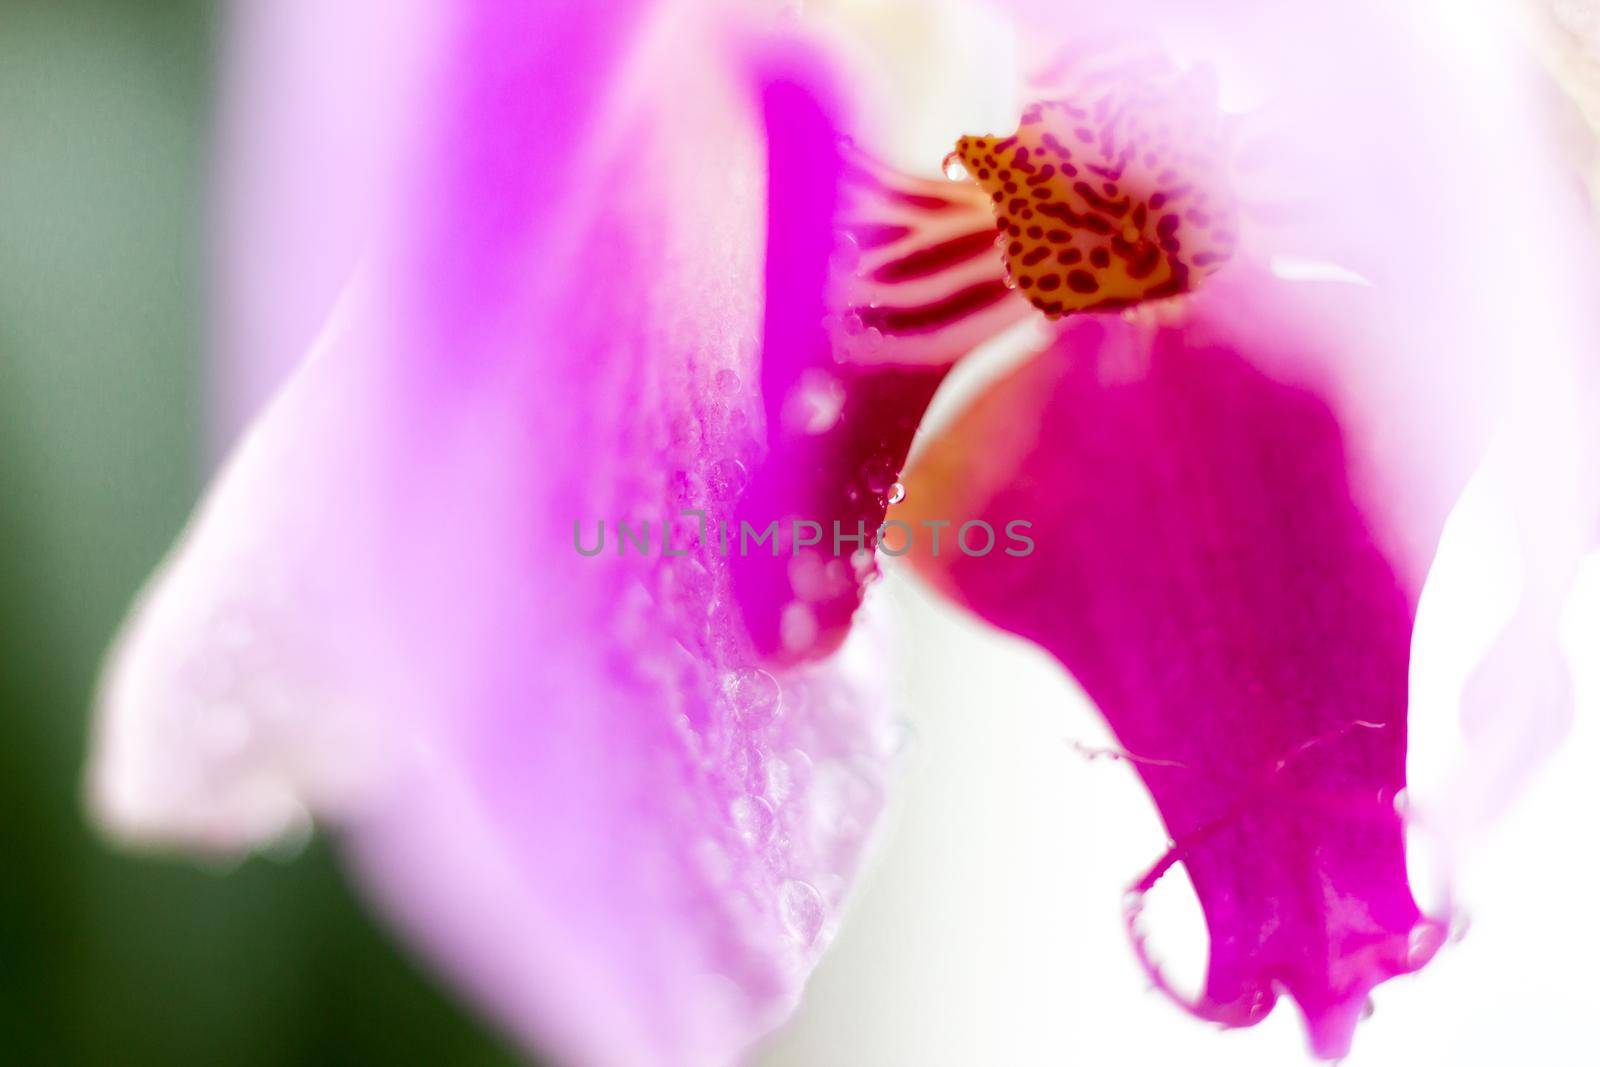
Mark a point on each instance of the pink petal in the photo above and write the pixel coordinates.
(312, 127)
(571, 781)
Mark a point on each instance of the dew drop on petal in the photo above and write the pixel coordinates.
(878, 474)
(234, 631)
(954, 169)
(801, 909)
(754, 820)
(685, 486)
(816, 577)
(744, 764)
(903, 737)
(797, 627)
(846, 254)
(780, 780)
(897, 493)
(685, 430)
(225, 729)
(815, 404)
(727, 479)
(1423, 941)
(756, 696)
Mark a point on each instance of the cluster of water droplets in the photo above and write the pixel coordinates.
(800, 806)
(850, 338)
(790, 781)
(253, 733)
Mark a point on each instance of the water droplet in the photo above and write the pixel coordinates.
(872, 339)
(846, 254)
(842, 796)
(234, 632)
(954, 169)
(207, 676)
(852, 324)
(754, 820)
(685, 431)
(225, 729)
(727, 478)
(686, 729)
(788, 776)
(815, 404)
(1423, 941)
(745, 766)
(727, 382)
(797, 627)
(780, 784)
(897, 493)
(816, 577)
(756, 696)
(802, 911)
(903, 736)
(686, 586)
(685, 486)
(878, 474)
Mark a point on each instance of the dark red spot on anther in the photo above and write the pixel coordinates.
(1081, 281)
(1152, 149)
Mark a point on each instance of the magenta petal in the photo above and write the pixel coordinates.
(841, 407)
(1268, 610)
(837, 434)
(1204, 571)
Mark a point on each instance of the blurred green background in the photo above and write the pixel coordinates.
(107, 958)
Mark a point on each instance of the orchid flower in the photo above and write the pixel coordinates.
(658, 266)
